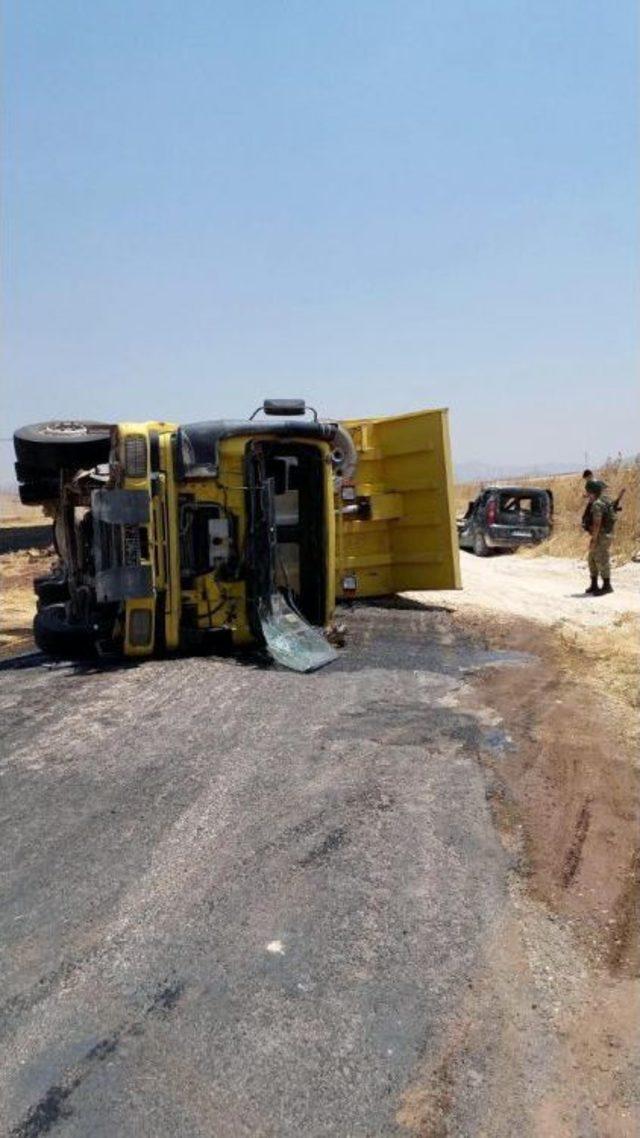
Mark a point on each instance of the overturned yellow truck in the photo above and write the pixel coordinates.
(214, 534)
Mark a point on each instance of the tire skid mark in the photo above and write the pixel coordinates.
(333, 841)
(624, 957)
(54, 1106)
(573, 855)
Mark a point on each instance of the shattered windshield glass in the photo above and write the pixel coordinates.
(290, 640)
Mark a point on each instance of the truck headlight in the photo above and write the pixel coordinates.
(135, 456)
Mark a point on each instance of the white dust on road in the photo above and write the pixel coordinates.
(546, 589)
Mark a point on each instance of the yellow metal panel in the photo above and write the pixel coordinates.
(173, 597)
(131, 649)
(410, 540)
(330, 534)
(384, 506)
(142, 483)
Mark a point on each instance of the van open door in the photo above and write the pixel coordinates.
(396, 526)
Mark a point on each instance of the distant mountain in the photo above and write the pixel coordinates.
(485, 472)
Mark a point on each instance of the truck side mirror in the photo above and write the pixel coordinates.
(284, 407)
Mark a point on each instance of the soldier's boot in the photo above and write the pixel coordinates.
(606, 586)
(593, 590)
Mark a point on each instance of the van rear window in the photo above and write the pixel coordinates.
(531, 504)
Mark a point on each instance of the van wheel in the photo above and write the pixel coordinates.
(59, 444)
(480, 547)
(54, 635)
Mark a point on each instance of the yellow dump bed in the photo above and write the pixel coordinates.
(409, 539)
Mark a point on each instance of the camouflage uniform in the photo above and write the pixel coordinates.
(599, 556)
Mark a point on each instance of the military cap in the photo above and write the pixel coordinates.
(594, 486)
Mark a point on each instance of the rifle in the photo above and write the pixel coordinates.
(616, 505)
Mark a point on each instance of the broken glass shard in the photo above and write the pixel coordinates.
(291, 640)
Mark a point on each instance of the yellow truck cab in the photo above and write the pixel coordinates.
(187, 536)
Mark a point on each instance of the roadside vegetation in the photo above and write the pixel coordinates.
(13, 513)
(18, 607)
(568, 539)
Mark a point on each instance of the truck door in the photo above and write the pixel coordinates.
(396, 526)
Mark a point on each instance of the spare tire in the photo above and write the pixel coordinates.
(61, 444)
(54, 634)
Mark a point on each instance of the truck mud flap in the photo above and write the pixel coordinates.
(290, 640)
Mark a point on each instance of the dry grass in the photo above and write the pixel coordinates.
(568, 538)
(17, 571)
(607, 659)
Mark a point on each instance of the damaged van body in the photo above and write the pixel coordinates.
(183, 537)
(506, 518)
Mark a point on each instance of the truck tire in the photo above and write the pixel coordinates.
(480, 547)
(37, 493)
(59, 444)
(51, 590)
(54, 635)
(25, 472)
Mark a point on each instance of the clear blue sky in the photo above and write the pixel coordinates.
(379, 205)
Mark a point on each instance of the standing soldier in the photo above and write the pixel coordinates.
(603, 518)
(586, 519)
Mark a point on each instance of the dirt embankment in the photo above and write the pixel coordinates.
(563, 785)
(566, 779)
(564, 793)
(569, 773)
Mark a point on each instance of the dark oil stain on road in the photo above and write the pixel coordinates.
(167, 996)
(407, 724)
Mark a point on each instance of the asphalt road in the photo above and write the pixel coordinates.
(240, 901)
